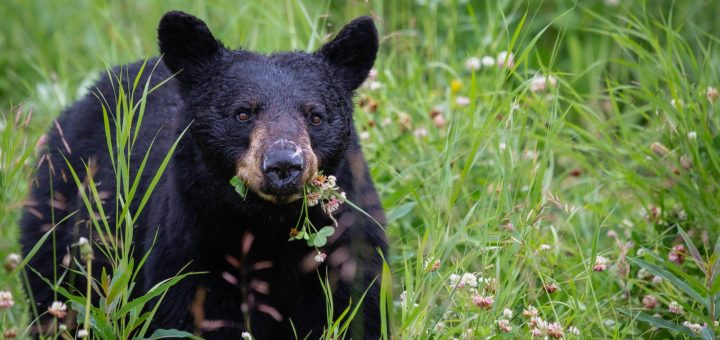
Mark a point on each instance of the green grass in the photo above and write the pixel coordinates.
(605, 150)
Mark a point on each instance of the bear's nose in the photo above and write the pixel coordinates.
(282, 168)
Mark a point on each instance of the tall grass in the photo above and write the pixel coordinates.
(526, 189)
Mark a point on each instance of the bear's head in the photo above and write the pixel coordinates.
(272, 120)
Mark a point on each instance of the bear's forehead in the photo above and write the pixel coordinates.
(287, 76)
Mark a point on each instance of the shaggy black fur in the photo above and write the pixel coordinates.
(199, 220)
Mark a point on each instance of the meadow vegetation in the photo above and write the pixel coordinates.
(548, 168)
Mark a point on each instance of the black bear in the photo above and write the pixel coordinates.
(275, 122)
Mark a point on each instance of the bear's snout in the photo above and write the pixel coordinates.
(283, 164)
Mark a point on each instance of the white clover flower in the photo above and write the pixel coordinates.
(504, 325)
(472, 64)
(505, 59)
(675, 308)
(83, 333)
(541, 83)
(320, 257)
(508, 313)
(57, 309)
(462, 101)
(545, 247)
(246, 336)
(573, 330)
(555, 330)
(488, 61)
(692, 136)
(6, 300)
(530, 312)
(375, 85)
(694, 327)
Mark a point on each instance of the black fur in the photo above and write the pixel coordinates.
(199, 220)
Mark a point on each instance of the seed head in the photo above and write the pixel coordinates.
(10, 333)
(551, 287)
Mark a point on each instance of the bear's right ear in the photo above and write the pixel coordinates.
(352, 53)
(187, 45)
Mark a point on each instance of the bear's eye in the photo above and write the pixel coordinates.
(315, 119)
(243, 116)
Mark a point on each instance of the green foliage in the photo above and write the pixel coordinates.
(523, 183)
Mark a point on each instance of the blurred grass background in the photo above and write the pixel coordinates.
(510, 170)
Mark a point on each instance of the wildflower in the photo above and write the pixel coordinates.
(538, 323)
(541, 83)
(472, 64)
(649, 302)
(551, 287)
(675, 308)
(600, 264)
(508, 313)
(676, 104)
(504, 325)
(455, 86)
(312, 198)
(508, 226)
(656, 280)
(530, 312)
(677, 254)
(246, 336)
(612, 234)
(466, 280)
(57, 309)
(320, 257)
(364, 135)
(573, 330)
(659, 149)
(435, 266)
(490, 286)
(555, 330)
(86, 251)
(545, 247)
(420, 133)
(374, 85)
(692, 136)
(694, 327)
(12, 261)
(712, 94)
(505, 59)
(403, 298)
(536, 332)
(385, 122)
(404, 121)
(487, 61)
(502, 146)
(83, 333)
(439, 328)
(439, 121)
(330, 183)
(10, 333)
(462, 101)
(686, 162)
(330, 206)
(484, 302)
(6, 300)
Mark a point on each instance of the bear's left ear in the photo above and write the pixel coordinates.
(352, 53)
(187, 45)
